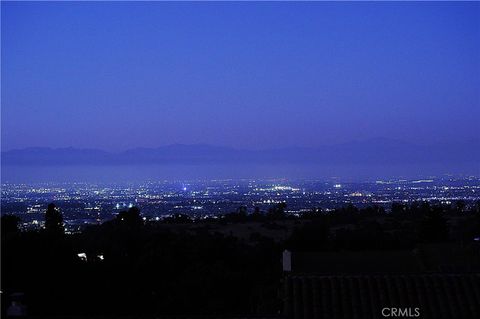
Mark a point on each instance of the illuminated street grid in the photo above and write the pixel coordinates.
(83, 203)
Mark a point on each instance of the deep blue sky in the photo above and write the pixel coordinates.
(250, 75)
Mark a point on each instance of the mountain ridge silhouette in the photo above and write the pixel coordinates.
(371, 152)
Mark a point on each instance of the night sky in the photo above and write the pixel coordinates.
(121, 75)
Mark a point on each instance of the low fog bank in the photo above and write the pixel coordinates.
(141, 173)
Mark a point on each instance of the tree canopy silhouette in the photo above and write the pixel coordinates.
(277, 211)
(434, 227)
(10, 224)
(130, 218)
(53, 220)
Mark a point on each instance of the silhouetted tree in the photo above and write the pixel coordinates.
(314, 213)
(53, 220)
(434, 227)
(312, 236)
(257, 214)
(348, 214)
(475, 224)
(399, 208)
(460, 205)
(130, 218)
(242, 210)
(277, 211)
(373, 211)
(9, 224)
(239, 216)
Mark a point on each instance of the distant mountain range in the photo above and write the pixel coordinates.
(369, 152)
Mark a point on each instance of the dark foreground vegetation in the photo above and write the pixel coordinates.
(180, 266)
